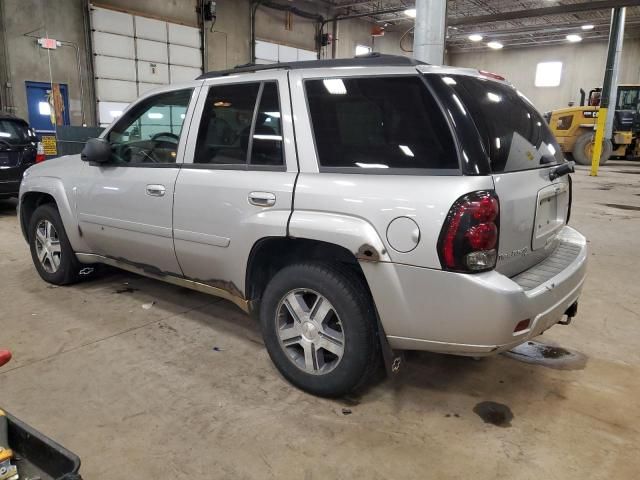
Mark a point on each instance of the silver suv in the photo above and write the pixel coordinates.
(357, 207)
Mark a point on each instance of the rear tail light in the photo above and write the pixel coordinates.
(40, 156)
(469, 238)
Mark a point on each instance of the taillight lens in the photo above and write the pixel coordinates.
(40, 156)
(469, 238)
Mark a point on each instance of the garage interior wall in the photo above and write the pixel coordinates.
(229, 41)
(62, 20)
(582, 67)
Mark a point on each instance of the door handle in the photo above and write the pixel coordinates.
(262, 199)
(156, 190)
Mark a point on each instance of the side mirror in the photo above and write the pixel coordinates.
(97, 150)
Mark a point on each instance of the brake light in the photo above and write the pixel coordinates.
(495, 76)
(40, 156)
(469, 238)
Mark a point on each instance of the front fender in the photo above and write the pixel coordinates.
(353, 233)
(65, 202)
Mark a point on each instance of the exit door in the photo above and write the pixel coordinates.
(48, 105)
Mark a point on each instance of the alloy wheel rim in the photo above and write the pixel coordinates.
(48, 248)
(310, 331)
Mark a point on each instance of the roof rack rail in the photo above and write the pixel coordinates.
(371, 60)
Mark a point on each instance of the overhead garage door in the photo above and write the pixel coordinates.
(268, 52)
(134, 54)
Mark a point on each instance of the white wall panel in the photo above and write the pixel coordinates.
(115, 90)
(150, 72)
(183, 35)
(111, 21)
(113, 45)
(151, 51)
(186, 56)
(287, 54)
(304, 55)
(184, 74)
(266, 51)
(115, 68)
(109, 111)
(151, 29)
(145, 87)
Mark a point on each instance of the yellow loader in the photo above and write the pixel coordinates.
(574, 126)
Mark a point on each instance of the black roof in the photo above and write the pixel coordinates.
(372, 60)
(9, 116)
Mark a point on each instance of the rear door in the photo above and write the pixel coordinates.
(236, 185)
(522, 153)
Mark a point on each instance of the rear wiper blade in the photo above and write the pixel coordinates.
(562, 170)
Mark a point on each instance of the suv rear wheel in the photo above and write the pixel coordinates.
(51, 251)
(318, 325)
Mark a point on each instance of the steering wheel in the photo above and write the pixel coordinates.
(170, 135)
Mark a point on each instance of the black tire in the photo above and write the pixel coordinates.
(357, 321)
(69, 268)
(582, 149)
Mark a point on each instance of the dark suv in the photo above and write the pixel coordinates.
(19, 149)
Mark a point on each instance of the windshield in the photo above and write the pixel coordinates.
(14, 132)
(628, 98)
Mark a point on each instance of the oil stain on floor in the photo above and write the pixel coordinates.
(494, 413)
(548, 356)
(622, 206)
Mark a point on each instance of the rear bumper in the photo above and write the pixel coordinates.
(426, 309)
(9, 187)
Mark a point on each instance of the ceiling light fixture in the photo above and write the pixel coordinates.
(475, 37)
(574, 38)
(495, 45)
(410, 12)
(587, 27)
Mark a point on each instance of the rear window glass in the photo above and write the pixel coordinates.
(379, 124)
(14, 132)
(514, 133)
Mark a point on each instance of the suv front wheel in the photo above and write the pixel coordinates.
(51, 251)
(318, 324)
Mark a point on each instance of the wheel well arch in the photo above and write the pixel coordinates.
(29, 202)
(269, 255)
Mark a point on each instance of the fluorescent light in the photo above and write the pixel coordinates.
(115, 113)
(5, 135)
(475, 37)
(574, 38)
(182, 116)
(495, 45)
(449, 81)
(498, 144)
(406, 150)
(44, 108)
(371, 165)
(493, 97)
(410, 12)
(587, 27)
(273, 114)
(335, 86)
(155, 116)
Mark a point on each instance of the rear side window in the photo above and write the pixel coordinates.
(14, 132)
(514, 134)
(378, 124)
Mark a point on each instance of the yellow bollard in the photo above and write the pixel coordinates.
(597, 143)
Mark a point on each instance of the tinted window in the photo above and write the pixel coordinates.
(14, 132)
(379, 123)
(150, 132)
(628, 98)
(223, 138)
(267, 135)
(514, 133)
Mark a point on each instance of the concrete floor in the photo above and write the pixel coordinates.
(143, 392)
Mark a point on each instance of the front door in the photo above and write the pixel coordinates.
(125, 206)
(236, 184)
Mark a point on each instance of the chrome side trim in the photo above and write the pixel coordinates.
(181, 282)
